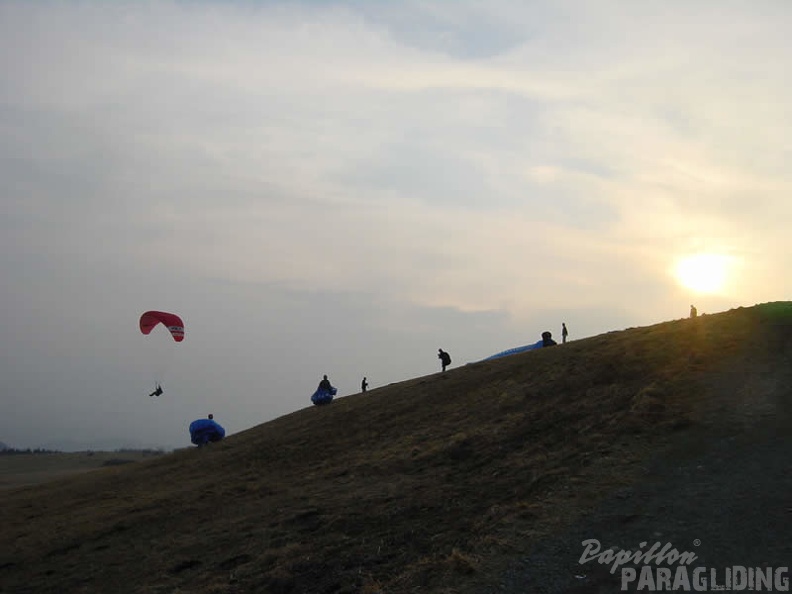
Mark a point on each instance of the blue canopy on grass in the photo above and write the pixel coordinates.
(203, 431)
(515, 350)
(323, 396)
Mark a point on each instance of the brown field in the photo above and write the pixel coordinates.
(449, 483)
(17, 470)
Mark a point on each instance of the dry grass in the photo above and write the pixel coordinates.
(17, 470)
(426, 485)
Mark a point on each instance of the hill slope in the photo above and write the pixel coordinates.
(445, 483)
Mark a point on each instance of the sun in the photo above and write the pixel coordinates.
(703, 273)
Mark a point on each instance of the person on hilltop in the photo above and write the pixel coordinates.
(363, 385)
(325, 384)
(693, 311)
(324, 393)
(445, 358)
(547, 339)
(564, 333)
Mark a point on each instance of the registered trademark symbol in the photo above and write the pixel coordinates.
(697, 543)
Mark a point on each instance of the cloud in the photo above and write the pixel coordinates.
(345, 187)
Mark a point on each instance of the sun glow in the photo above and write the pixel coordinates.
(703, 273)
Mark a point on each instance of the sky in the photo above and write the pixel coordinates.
(343, 187)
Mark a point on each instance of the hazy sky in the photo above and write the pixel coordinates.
(345, 187)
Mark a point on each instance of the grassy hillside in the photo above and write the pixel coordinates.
(429, 485)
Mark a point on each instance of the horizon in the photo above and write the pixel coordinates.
(344, 187)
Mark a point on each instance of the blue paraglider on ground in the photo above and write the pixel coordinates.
(515, 350)
(323, 396)
(203, 431)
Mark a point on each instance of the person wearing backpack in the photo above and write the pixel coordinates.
(547, 339)
(445, 358)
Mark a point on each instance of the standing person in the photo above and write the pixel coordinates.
(445, 358)
(363, 385)
(693, 311)
(325, 385)
(564, 333)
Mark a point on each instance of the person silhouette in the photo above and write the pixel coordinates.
(547, 339)
(363, 385)
(564, 333)
(445, 358)
(693, 311)
(325, 385)
(324, 393)
(156, 392)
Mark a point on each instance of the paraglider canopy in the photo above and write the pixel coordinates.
(202, 431)
(324, 393)
(172, 322)
(323, 396)
(515, 350)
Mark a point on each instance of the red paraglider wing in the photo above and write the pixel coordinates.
(171, 321)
